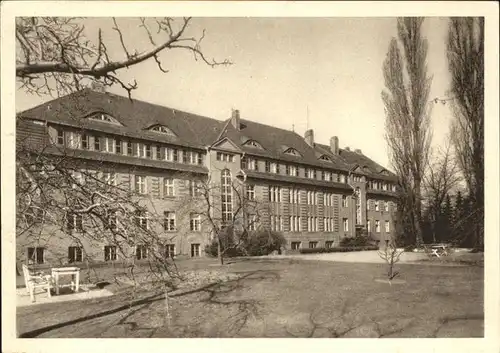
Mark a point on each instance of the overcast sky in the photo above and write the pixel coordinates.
(285, 69)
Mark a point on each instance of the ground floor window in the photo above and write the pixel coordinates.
(75, 254)
(295, 245)
(141, 252)
(195, 250)
(329, 244)
(110, 253)
(170, 250)
(36, 255)
(313, 244)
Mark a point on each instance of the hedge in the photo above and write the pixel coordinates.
(338, 249)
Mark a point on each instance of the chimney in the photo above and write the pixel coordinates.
(235, 119)
(358, 151)
(309, 137)
(347, 148)
(334, 145)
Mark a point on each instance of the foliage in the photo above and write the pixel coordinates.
(337, 249)
(358, 240)
(256, 243)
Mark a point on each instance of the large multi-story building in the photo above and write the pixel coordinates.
(315, 194)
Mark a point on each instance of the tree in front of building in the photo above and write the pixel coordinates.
(466, 64)
(56, 55)
(407, 124)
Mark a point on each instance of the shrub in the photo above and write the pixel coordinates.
(358, 240)
(255, 243)
(337, 249)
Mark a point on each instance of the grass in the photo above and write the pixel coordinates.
(282, 298)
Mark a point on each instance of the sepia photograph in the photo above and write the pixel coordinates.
(248, 176)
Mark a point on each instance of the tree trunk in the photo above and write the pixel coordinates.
(219, 251)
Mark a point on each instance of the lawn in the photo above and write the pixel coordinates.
(282, 298)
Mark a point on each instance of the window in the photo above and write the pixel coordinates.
(109, 178)
(294, 196)
(75, 254)
(148, 151)
(195, 222)
(85, 142)
(313, 244)
(170, 250)
(97, 143)
(226, 196)
(252, 222)
(342, 178)
(141, 252)
(345, 223)
(311, 173)
(295, 245)
(294, 224)
(387, 227)
(225, 157)
(169, 221)
(358, 205)
(140, 184)
(268, 166)
(326, 176)
(104, 118)
(377, 226)
(195, 250)
(118, 146)
(292, 152)
(112, 221)
(129, 148)
(162, 129)
(393, 188)
(185, 157)
(329, 244)
(252, 164)
(386, 206)
(168, 187)
(368, 204)
(171, 154)
(140, 150)
(344, 201)
(275, 168)
(109, 144)
(142, 220)
(60, 137)
(74, 221)
(253, 143)
(109, 253)
(36, 255)
(384, 186)
(194, 188)
(325, 158)
(158, 153)
(368, 226)
(294, 170)
(377, 208)
(251, 192)
(274, 194)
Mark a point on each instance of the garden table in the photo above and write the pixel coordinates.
(74, 272)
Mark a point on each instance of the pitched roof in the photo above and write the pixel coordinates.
(193, 130)
(136, 116)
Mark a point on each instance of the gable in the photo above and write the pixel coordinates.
(226, 144)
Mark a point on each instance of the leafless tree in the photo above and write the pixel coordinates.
(466, 64)
(245, 216)
(441, 179)
(406, 100)
(56, 55)
(391, 254)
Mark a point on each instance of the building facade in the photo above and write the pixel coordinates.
(315, 194)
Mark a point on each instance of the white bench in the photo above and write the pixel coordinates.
(36, 280)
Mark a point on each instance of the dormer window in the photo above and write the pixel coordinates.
(162, 130)
(292, 152)
(325, 158)
(106, 118)
(253, 143)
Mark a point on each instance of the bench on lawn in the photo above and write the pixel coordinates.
(437, 250)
